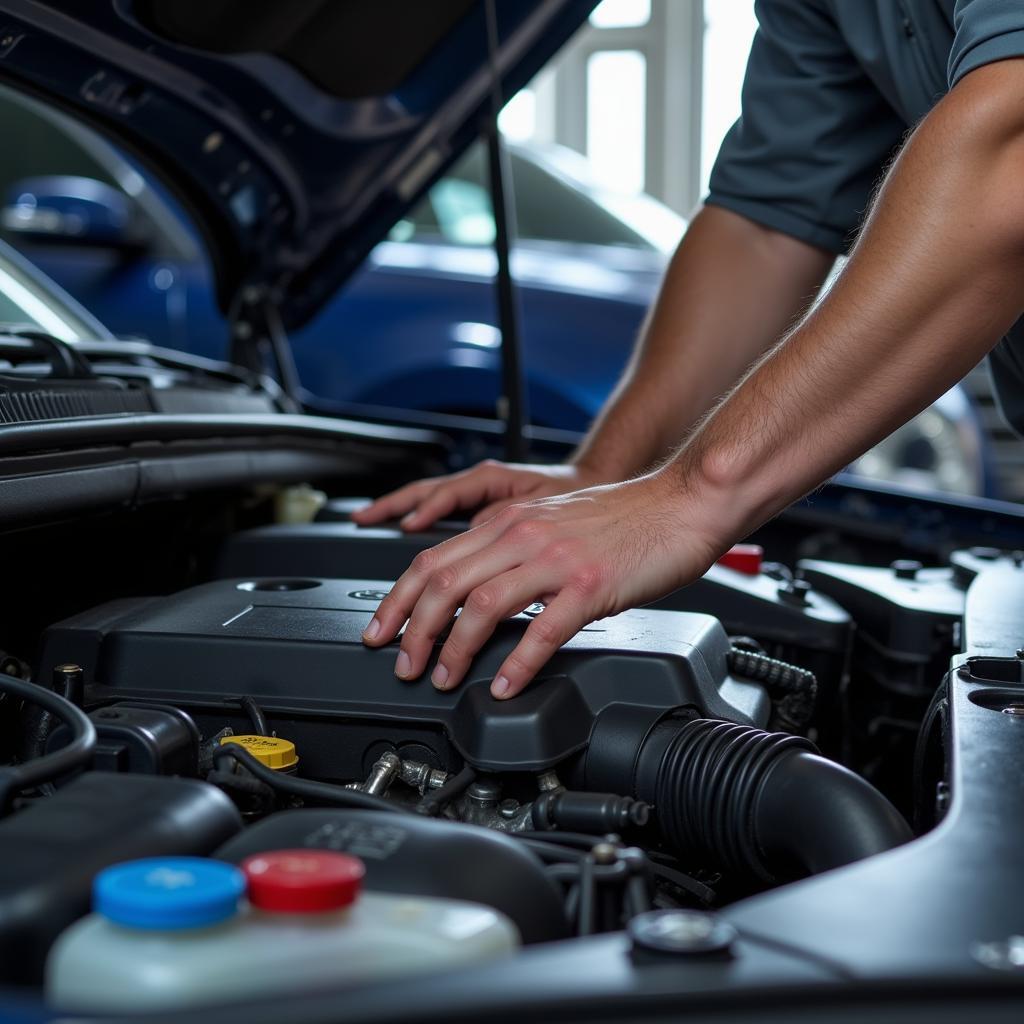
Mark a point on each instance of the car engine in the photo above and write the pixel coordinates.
(685, 755)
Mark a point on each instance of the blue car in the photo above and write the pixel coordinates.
(414, 328)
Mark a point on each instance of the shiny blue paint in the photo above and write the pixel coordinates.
(392, 336)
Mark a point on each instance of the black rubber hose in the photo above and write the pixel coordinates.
(812, 815)
(74, 755)
(436, 800)
(305, 789)
(256, 716)
(761, 803)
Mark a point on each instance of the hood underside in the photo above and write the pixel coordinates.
(295, 133)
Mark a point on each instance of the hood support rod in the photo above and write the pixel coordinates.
(513, 408)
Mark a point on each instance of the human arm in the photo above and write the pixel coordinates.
(932, 284)
(731, 289)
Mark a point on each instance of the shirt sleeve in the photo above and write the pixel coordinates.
(814, 134)
(986, 31)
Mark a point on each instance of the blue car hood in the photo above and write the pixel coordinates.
(295, 131)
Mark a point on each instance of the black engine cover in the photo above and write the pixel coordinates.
(294, 645)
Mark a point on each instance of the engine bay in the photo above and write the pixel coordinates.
(767, 725)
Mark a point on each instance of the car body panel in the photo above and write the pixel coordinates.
(294, 181)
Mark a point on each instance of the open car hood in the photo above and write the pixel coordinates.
(295, 133)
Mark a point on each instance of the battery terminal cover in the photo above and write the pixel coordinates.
(271, 751)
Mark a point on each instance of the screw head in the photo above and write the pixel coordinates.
(681, 932)
(906, 568)
(508, 808)
(986, 554)
(795, 592)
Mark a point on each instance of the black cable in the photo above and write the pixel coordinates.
(306, 789)
(551, 851)
(75, 754)
(435, 801)
(585, 920)
(578, 839)
(255, 794)
(617, 871)
(256, 715)
(705, 894)
(638, 888)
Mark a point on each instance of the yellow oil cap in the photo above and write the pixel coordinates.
(271, 751)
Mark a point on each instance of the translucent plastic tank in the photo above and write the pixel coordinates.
(168, 933)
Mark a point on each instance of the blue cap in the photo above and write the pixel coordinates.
(165, 893)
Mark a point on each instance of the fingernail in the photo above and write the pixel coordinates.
(372, 629)
(403, 666)
(440, 676)
(499, 687)
(408, 519)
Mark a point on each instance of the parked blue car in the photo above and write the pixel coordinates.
(415, 327)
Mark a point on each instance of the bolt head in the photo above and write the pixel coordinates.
(508, 808)
(681, 932)
(986, 554)
(795, 592)
(906, 568)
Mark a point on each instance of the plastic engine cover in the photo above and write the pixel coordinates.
(294, 645)
(418, 856)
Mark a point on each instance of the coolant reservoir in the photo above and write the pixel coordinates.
(169, 933)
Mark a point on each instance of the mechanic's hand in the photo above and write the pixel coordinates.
(585, 555)
(491, 484)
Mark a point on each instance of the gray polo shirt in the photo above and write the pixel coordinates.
(831, 88)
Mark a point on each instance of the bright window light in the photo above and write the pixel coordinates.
(621, 13)
(729, 31)
(34, 308)
(518, 118)
(616, 110)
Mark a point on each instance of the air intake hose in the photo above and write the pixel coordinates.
(756, 802)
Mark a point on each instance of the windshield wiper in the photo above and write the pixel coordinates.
(26, 345)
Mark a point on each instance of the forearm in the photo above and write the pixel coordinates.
(731, 290)
(933, 283)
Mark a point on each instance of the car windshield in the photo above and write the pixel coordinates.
(26, 302)
(550, 205)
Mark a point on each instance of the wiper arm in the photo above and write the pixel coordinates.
(22, 345)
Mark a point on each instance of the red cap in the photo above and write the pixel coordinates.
(745, 558)
(302, 881)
